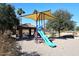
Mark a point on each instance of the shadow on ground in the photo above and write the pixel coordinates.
(19, 53)
(64, 37)
(29, 54)
(27, 38)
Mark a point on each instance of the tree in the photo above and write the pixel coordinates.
(20, 11)
(61, 22)
(8, 20)
(77, 28)
(8, 17)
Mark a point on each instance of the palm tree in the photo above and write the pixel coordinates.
(20, 11)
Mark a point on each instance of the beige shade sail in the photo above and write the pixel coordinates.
(45, 15)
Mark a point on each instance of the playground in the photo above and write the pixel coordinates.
(43, 30)
(39, 30)
(47, 47)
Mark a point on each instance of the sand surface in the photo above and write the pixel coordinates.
(69, 47)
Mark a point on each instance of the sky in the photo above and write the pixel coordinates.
(73, 8)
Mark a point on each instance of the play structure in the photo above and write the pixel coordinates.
(40, 18)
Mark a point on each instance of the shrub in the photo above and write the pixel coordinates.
(8, 46)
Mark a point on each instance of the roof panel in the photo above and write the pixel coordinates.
(46, 15)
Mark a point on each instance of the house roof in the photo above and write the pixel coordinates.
(26, 26)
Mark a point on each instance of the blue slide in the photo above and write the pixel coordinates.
(45, 38)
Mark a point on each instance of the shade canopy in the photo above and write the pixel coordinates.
(45, 15)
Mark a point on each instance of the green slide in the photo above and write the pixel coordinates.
(45, 38)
